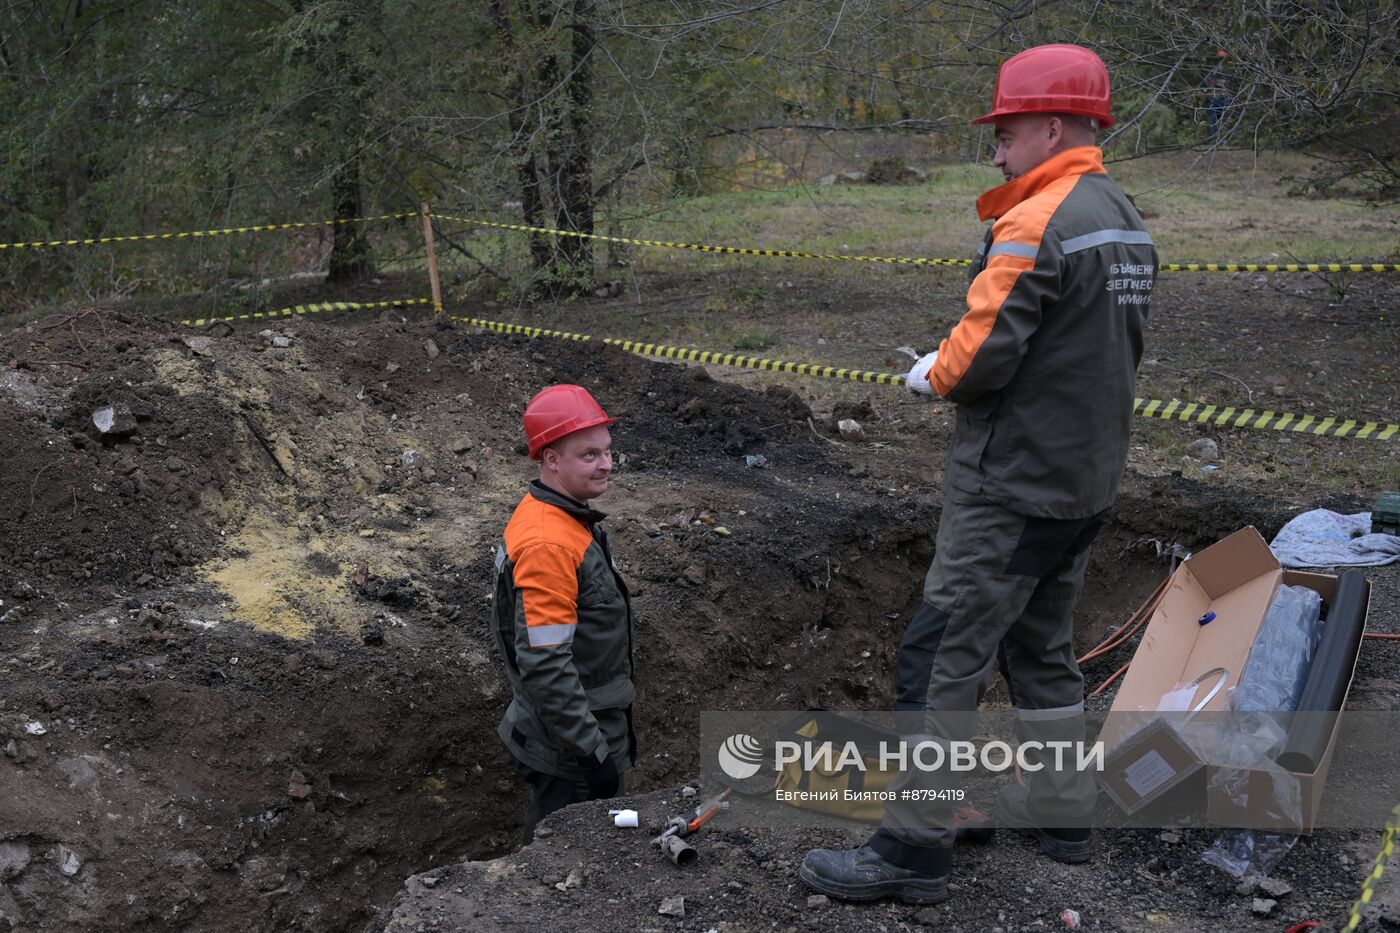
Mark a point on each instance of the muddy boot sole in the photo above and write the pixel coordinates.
(908, 890)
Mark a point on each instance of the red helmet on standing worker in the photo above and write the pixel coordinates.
(1052, 79)
(558, 411)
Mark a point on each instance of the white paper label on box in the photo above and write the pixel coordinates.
(1148, 773)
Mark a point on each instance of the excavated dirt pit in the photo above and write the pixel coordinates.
(247, 681)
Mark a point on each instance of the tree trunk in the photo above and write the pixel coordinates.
(351, 259)
(551, 139)
(520, 150)
(574, 210)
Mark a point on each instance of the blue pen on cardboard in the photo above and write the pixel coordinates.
(1207, 618)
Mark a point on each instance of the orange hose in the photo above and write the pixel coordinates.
(1108, 647)
(1156, 592)
(1126, 631)
(1380, 635)
(1112, 677)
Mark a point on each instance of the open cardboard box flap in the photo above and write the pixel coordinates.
(1236, 579)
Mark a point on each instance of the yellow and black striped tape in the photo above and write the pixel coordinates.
(642, 348)
(1279, 267)
(225, 231)
(704, 248)
(698, 247)
(1171, 410)
(307, 309)
(1368, 887)
(1231, 417)
(906, 261)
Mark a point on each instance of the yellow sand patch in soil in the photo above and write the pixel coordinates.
(179, 373)
(278, 586)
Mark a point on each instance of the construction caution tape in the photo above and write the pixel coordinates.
(190, 234)
(1170, 410)
(1231, 417)
(1368, 887)
(307, 309)
(1279, 267)
(704, 248)
(663, 351)
(907, 261)
(697, 247)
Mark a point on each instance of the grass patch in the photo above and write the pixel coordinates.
(749, 340)
(1227, 207)
(1232, 207)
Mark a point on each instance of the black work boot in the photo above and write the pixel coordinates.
(1069, 845)
(862, 874)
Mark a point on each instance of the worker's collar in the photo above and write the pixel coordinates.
(1081, 160)
(551, 496)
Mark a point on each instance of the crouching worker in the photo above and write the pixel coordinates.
(562, 615)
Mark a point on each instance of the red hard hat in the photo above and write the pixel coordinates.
(1052, 79)
(557, 411)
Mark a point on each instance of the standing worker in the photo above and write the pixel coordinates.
(562, 615)
(1042, 368)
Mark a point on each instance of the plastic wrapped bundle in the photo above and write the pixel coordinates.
(1277, 668)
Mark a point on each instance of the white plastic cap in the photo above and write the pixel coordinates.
(625, 818)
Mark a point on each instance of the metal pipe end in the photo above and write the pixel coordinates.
(679, 851)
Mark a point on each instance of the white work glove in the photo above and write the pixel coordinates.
(917, 380)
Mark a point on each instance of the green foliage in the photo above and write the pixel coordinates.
(184, 114)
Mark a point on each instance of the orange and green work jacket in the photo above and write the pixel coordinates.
(563, 622)
(1042, 365)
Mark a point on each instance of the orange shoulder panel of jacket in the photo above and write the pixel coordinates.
(1081, 160)
(547, 545)
(1025, 224)
(535, 522)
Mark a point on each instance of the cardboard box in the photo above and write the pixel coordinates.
(1236, 579)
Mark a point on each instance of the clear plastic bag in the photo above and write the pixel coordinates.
(1273, 677)
(1248, 853)
(1242, 745)
(1257, 725)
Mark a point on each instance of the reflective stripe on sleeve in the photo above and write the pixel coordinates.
(543, 636)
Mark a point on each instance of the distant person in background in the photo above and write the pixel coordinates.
(1217, 83)
(562, 615)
